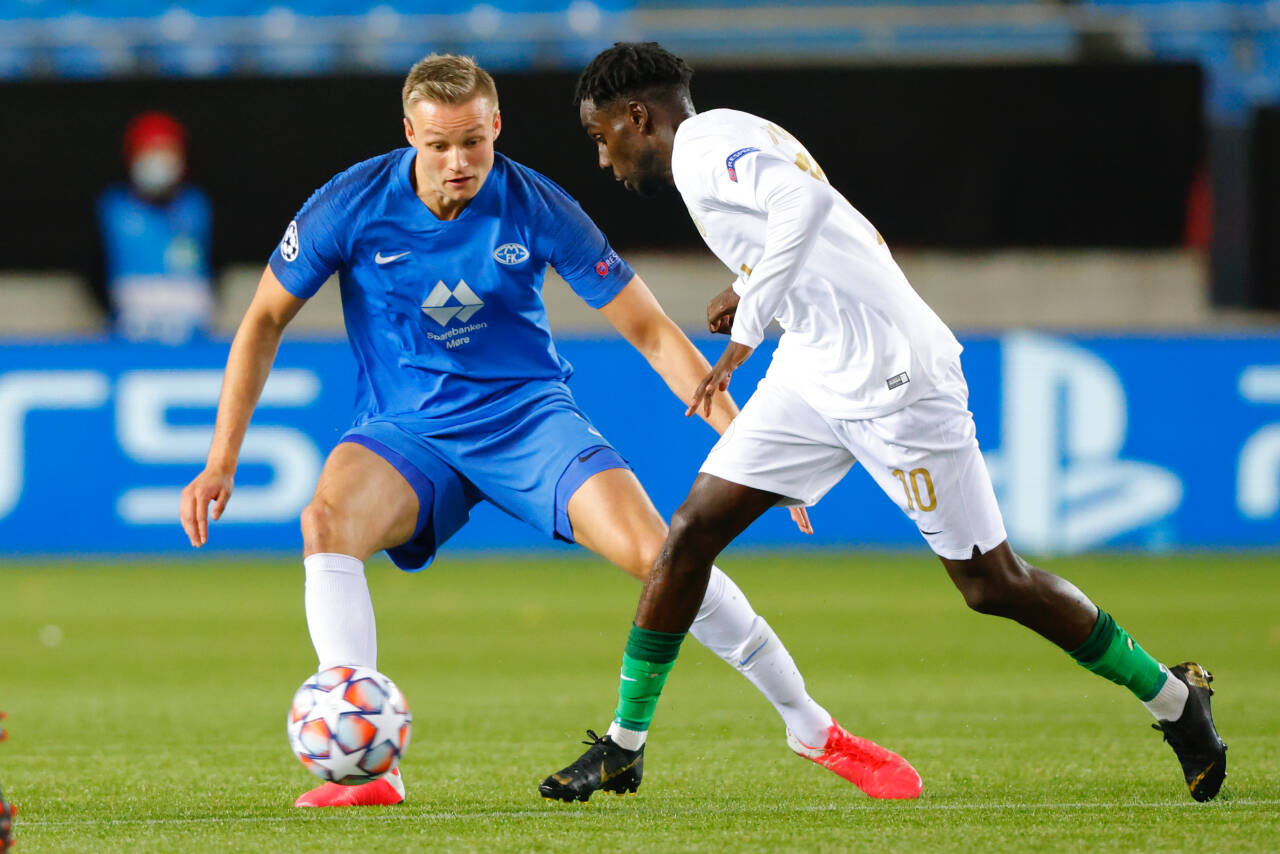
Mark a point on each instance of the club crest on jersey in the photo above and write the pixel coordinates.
(607, 263)
(734, 158)
(466, 303)
(510, 254)
(289, 243)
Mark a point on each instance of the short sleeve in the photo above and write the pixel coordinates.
(581, 254)
(311, 249)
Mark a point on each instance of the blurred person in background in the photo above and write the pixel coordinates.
(156, 281)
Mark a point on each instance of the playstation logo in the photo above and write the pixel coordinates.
(466, 303)
(1062, 472)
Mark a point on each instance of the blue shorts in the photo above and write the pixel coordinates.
(527, 462)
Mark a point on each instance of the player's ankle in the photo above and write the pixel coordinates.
(627, 739)
(1170, 701)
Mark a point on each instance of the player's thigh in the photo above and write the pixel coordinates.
(926, 459)
(362, 504)
(611, 514)
(530, 463)
(780, 444)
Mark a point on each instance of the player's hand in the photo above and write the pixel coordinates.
(720, 311)
(718, 380)
(800, 515)
(194, 511)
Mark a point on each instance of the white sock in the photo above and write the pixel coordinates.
(1172, 699)
(628, 739)
(728, 626)
(339, 611)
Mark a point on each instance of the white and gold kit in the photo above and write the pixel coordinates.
(864, 369)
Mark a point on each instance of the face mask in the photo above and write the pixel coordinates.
(155, 173)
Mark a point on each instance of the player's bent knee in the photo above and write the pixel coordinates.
(994, 583)
(320, 527)
(694, 532)
(645, 553)
(984, 598)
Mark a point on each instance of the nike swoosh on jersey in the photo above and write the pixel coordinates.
(387, 259)
(582, 458)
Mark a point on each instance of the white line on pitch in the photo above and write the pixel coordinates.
(578, 812)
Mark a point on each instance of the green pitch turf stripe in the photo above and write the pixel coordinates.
(400, 814)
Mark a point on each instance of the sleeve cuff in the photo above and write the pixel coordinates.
(746, 334)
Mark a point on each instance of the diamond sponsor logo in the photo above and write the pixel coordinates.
(466, 303)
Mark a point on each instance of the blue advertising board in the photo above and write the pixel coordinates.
(1092, 441)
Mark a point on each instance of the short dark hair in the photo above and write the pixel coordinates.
(632, 68)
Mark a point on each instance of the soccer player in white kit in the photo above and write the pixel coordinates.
(864, 372)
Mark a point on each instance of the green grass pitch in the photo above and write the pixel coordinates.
(147, 700)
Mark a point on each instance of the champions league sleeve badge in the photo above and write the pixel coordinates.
(289, 244)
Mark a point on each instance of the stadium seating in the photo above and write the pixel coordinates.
(1237, 41)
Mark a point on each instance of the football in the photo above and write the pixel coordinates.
(349, 724)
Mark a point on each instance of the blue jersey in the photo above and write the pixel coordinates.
(144, 238)
(446, 317)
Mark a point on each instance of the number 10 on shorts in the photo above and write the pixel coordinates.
(911, 485)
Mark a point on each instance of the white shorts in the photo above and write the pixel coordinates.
(925, 457)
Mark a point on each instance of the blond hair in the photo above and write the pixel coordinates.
(446, 78)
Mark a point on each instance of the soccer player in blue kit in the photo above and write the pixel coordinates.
(441, 249)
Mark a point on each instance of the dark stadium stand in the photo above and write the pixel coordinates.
(1236, 43)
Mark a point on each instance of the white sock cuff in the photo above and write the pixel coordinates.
(627, 739)
(332, 562)
(717, 585)
(1170, 702)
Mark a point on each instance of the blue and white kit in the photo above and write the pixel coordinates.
(459, 383)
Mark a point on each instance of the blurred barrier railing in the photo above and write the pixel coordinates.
(900, 31)
(1239, 42)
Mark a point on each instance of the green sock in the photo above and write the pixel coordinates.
(1112, 654)
(648, 659)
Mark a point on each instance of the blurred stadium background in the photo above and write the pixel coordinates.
(1088, 192)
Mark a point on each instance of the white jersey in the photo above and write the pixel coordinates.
(857, 342)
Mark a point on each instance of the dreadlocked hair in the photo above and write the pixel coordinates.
(629, 68)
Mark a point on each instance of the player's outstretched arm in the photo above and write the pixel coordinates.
(636, 314)
(252, 352)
